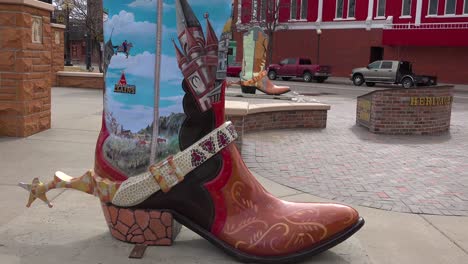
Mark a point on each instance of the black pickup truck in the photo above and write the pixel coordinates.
(393, 72)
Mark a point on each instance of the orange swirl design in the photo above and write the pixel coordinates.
(258, 223)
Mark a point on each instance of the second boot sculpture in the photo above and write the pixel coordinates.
(254, 76)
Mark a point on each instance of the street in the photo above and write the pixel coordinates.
(345, 88)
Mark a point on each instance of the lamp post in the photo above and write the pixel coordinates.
(319, 33)
(67, 5)
(88, 51)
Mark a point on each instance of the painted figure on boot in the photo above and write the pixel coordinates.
(182, 164)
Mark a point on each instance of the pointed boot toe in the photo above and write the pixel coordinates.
(278, 90)
(270, 88)
(318, 225)
(259, 227)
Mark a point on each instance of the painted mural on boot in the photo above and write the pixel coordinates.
(133, 87)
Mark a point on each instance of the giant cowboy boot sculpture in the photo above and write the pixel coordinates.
(206, 185)
(254, 76)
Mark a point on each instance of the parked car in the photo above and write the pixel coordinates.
(299, 67)
(234, 70)
(392, 72)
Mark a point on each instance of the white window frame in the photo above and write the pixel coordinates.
(291, 17)
(429, 8)
(379, 2)
(444, 15)
(454, 11)
(347, 13)
(403, 9)
(455, 8)
(342, 10)
(302, 9)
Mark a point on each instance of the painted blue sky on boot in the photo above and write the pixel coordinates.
(135, 21)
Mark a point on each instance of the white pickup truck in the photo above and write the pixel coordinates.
(392, 72)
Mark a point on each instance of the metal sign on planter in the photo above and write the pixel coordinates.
(364, 106)
(431, 101)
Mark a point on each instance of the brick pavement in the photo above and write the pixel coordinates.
(345, 163)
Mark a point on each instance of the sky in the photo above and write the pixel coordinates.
(135, 21)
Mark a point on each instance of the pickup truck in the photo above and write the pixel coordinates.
(299, 67)
(392, 72)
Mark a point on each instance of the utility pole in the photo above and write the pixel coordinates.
(88, 52)
(67, 5)
(319, 33)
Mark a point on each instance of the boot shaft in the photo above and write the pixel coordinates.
(145, 92)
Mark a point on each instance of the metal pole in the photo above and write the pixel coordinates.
(157, 74)
(67, 39)
(318, 48)
(88, 51)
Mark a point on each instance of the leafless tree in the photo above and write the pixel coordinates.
(91, 13)
(266, 14)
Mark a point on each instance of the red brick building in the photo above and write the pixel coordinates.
(433, 34)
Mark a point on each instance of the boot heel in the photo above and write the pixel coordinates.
(139, 226)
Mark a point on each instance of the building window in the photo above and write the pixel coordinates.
(381, 8)
(293, 9)
(406, 8)
(450, 6)
(299, 7)
(340, 11)
(304, 8)
(339, 8)
(465, 8)
(351, 8)
(433, 6)
(263, 10)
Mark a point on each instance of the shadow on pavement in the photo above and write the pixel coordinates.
(363, 134)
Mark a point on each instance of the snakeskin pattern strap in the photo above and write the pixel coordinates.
(168, 173)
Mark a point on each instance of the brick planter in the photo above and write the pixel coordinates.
(58, 49)
(80, 80)
(248, 117)
(25, 67)
(416, 111)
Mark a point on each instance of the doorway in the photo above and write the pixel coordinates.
(376, 53)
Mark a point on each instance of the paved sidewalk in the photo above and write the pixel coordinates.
(344, 162)
(74, 231)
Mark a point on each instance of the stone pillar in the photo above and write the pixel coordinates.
(25, 67)
(58, 49)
